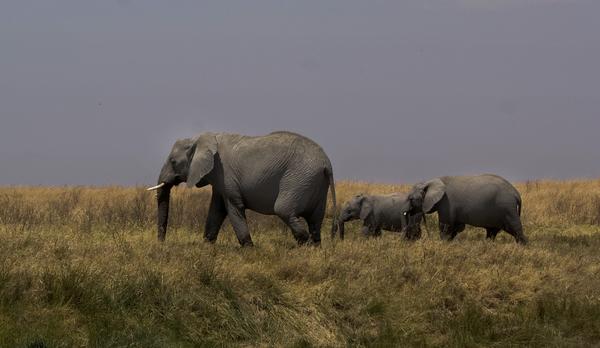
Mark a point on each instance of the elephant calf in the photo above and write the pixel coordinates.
(487, 201)
(381, 212)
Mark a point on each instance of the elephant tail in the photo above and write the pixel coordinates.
(334, 223)
(519, 205)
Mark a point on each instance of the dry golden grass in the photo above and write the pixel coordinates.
(81, 267)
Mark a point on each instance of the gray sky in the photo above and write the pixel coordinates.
(95, 92)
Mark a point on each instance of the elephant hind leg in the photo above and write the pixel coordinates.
(491, 233)
(289, 209)
(315, 221)
(314, 229)
(297, 227)
(514, 227)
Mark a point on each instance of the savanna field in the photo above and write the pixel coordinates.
(81, 267)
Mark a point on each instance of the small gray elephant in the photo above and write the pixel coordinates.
(382, 212)
(282, 173)
(487, 201)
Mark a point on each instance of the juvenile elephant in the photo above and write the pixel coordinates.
(381, 212)
(487, 201)
(282, 173)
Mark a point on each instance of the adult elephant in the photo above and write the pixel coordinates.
(487, 201)
(282, 173)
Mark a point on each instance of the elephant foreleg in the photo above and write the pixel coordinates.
(491, 233)
(449, 231)
(444, 230)
(216, 215)
(237, 217)
(412, 232)
(371, 231)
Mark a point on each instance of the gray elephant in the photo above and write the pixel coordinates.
(282, 173)
(381, 212)
(487, 201)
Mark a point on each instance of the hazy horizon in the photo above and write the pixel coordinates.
(96, 93)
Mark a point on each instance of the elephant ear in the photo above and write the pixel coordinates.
(434, 192)
(202, 162)
(366, 208)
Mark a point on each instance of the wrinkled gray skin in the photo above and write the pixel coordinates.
(282, 173)
(487, 201)
(381, 212)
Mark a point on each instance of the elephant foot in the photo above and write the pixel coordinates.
(412, 238)
(447, 238)
(247, 244)
(412, 235)
(303, 241)
(522, 240)
(210, 240)
(315, 243)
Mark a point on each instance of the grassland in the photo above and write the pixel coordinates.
(81, 267)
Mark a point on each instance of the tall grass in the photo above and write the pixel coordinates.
(546, 203)
(81, 266)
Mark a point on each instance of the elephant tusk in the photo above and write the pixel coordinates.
(156, 187)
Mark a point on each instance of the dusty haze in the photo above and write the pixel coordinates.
(95, 93)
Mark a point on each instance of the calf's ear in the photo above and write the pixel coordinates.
(366, 208)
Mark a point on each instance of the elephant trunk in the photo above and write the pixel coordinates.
(340, 221)
(413, 226)
(163, 196)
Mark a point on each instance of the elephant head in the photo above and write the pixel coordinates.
(359, 207)
(190, 161)
(423, 199)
